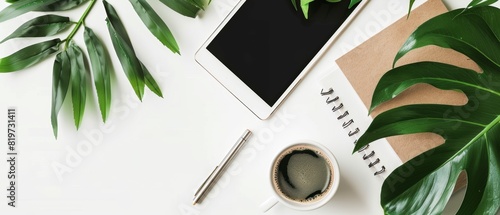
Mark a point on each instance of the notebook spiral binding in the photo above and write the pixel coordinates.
(353, 131)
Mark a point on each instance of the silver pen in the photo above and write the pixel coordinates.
(212, 178)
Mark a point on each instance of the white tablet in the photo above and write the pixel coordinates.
(263, 49)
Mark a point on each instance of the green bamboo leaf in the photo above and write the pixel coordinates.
(60, 84)
(198, 3)
(471, 131)
(124, 50)
(11, 1)
(304, 5)
(62, 5)
(42, 26)
(115, 21)
(21, 7)
(29, 56)
(150, 81)
(478, 3)
(353, 2)
(410, 7)
(183, 7)
(78, 82)
(99, 59)
(294, 3)
(155, 24)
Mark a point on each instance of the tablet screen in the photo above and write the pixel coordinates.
(267, 43)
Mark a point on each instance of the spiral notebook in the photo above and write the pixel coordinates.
(379, 157)
(365, 65)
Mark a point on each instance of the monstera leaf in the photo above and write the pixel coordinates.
(472, 135)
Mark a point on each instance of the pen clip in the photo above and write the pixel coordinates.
(202, 185)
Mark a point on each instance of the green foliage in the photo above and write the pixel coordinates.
(304, 5)
(101, 70)
(69, 69)
(150, 81)
(78, 82)
(472, 138)
(184, 7)
(60, 83)
(42, 26)
(475, 3)
(62, 5)
(155, 24)
(29, 56)
(23, 6)
(411, 6)
(472, 141)
(125, 51)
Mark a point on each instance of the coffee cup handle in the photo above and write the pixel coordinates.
(268, 204)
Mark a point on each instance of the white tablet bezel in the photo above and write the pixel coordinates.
(237, 87)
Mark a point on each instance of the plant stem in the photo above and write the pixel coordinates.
(80, 22)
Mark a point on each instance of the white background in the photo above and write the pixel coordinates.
(150, 157)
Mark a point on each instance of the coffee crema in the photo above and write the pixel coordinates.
(302, 173)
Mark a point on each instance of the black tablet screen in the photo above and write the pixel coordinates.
(267, 43)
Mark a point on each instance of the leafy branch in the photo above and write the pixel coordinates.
(69, 69)
(304, 5)
(80, 22)
(472, 142)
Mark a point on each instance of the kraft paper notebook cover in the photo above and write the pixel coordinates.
(365, 65)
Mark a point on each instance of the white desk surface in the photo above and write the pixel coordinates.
(150, 157)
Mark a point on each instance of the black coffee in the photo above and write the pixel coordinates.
(302, 173)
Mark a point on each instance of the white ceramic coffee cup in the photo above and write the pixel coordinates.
(326, 196)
